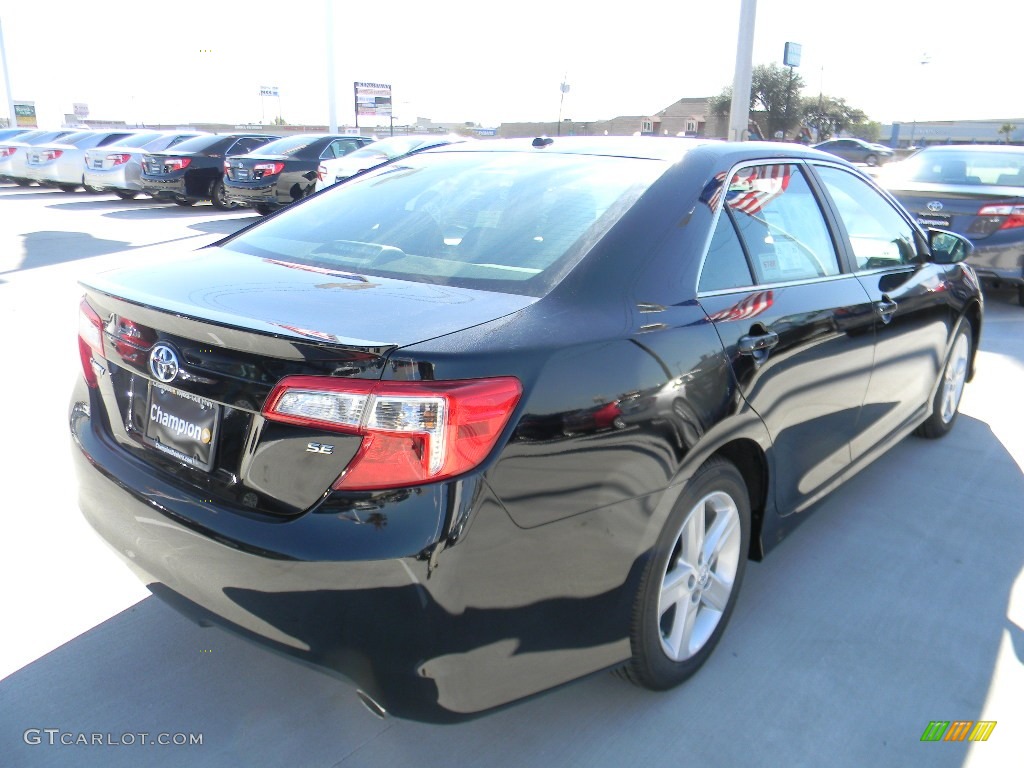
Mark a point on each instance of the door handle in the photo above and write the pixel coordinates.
(760, 343)
(886, 308)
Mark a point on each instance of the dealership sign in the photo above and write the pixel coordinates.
(25, 114)
(373, 99)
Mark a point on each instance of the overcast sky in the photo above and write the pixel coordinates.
(488, 62)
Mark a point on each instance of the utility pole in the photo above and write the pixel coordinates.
(739, 113)
(564, 88)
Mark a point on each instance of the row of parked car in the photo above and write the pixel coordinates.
(263, 171)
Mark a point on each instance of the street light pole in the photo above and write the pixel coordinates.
(564, 88)
(913, 126)
(332, 100)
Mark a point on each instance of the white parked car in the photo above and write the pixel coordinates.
(384, 151)
(62, 164)
(117, 167)
(13, 152)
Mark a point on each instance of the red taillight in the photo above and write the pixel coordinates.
(7, 151)
(414, 432)
(321, 172)
(172, 164)
(1014, 214)
(52, 154)
(90, 340)
(267, 169)
(119, 159)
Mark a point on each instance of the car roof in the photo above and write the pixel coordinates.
(643, 147)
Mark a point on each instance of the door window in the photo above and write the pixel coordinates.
(781, 227)
(879, 236)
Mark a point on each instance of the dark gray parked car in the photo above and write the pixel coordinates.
(976, 190)
(857, 150)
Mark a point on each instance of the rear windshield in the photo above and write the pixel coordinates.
(79, 138)
(1004, 169)
(509, 222)
(288, 145)
(199, 143)
(138, 139)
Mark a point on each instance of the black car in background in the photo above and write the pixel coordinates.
(502, 414)
(194, 169)
(284, 170)
(976, 190)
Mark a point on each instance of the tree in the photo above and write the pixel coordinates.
(830, 115)
(280, 121)
(869, 131)
(1007, 128)
(774, 92)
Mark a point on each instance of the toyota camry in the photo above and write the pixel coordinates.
(503, 414)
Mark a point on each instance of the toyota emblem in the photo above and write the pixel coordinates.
(163, 363)
(934, 206)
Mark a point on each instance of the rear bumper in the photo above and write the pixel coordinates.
(169, 187)
(999, 262)
(254, 194)
(388, 590)
(123, 177)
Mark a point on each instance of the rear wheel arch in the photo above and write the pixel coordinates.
(973, 315)
(748, 457)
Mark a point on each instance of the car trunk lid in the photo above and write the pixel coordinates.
(975, 211)
(191, 351)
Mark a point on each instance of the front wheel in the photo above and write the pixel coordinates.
(689, 587)
(126, 194)
(67, 187)
(264, 210)
(946, 405)
(219, 197)
(184, 202)
(871, 160)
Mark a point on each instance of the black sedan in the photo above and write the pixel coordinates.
(976, 190)
(502, 414)
(194, 169)
(283, 171)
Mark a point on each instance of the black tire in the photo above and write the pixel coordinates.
(93, 190)
(183, 202)
(67, 187)
(22, 182)
(1020, 295)
(263, 209)
(716, 490)
(871, 160)
(946, 405)
(219, 198)
(126, 194)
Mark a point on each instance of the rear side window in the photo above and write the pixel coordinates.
(781, 227)
(246, 144)
(510, 222)
(202, 143)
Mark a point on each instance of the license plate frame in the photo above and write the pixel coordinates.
(182, 425)
(937, 220)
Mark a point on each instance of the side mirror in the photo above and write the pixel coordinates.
(948, 247)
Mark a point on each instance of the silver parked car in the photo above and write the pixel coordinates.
(62, 164)
(117, 167)
(13, 153)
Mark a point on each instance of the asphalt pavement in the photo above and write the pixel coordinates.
(899, 602)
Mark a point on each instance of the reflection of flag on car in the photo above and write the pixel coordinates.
(751, 305)
(763, 184)
(749, 190)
